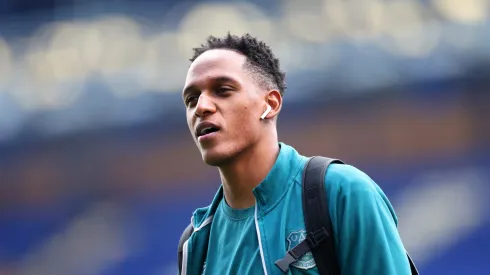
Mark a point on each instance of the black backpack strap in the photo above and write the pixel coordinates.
(317, 216)
(319, 238)
(185, 236)
(413, 268)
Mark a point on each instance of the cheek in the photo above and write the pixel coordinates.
(245, 119)
(189, 122)
(246, 123)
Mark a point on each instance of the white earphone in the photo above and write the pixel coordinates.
(269, 108)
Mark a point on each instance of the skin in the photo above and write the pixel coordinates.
(219, 88)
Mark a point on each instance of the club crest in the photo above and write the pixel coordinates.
(306, 261)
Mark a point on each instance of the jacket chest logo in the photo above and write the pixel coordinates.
(306, 261)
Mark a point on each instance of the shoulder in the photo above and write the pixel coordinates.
(347, 179)
(351, 191)
(364, 223)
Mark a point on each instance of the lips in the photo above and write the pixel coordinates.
(206, 128)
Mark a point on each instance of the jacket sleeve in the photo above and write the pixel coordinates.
(367, 238)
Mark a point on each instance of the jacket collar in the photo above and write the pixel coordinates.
(288, 166)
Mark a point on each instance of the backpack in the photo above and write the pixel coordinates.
(319, 239)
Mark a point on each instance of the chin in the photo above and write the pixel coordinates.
(213, 158)
(219, 155)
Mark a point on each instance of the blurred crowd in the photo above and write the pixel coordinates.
(98, 172)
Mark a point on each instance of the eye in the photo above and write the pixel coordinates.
(223, 89)
(192, 99)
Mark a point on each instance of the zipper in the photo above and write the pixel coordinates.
(260, 240)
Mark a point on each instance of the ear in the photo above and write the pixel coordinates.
(274, 99)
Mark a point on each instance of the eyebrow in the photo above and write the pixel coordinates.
(219, 80)
(189, 90)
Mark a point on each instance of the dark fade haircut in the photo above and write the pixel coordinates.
(260, 60)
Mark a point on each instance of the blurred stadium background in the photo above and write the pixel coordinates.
(99, 175)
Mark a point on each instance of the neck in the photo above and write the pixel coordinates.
(251, 167)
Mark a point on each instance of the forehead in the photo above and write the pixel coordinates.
(215, 64)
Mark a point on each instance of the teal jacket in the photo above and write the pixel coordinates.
(364, 222)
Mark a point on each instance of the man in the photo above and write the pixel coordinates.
(233, 95)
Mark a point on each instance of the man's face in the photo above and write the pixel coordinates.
(223, 104)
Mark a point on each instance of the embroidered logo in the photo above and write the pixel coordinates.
(306, 261)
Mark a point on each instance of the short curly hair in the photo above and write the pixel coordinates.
(260, 59)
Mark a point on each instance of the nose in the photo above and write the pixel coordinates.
(205, 106)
